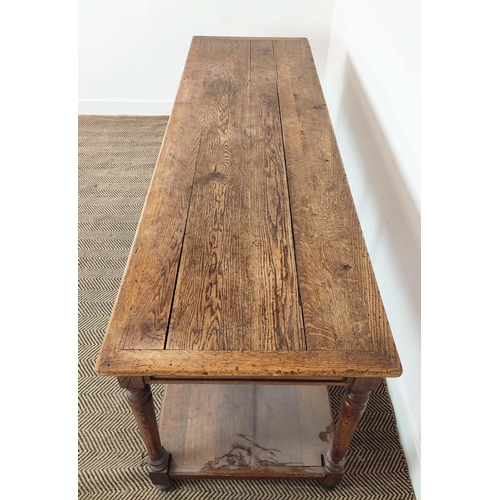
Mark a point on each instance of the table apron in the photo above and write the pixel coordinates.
(338, 381)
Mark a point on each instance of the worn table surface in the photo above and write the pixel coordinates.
(249, 261)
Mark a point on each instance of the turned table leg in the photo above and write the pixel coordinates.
(355, 399)
(141, 403)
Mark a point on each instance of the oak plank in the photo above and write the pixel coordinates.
(275, 472)
(141, 311)
(341, 302)
(237, 285)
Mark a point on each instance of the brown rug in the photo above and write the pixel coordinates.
(117, 155)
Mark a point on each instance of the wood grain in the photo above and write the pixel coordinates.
(242, 472)
(290, 365)
(245, 430)
(341, 302)
(237, 285)
(249, 261)
(141, 312)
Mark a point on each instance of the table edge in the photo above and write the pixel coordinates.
(265, 365)
(205, 37)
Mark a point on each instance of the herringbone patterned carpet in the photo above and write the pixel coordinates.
(117, 156)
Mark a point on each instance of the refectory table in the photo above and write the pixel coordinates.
(248, 288)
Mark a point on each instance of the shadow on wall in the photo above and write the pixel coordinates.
(383, 199)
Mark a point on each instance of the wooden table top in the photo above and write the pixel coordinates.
(249, 261)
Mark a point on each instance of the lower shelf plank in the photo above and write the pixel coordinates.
(245, 431)
(289, 472)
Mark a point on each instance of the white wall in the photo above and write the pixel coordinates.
(372, 87)
(132, 53)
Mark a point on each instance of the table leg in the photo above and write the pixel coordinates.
(355, 399)
(141, 403)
